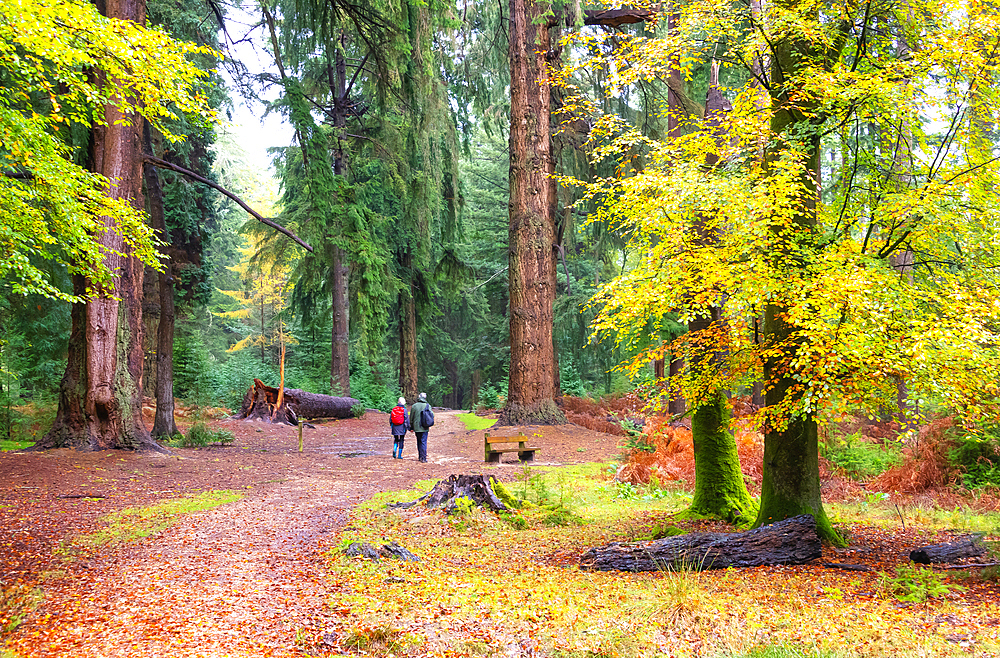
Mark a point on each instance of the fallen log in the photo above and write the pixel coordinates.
(260, 400)
(968, 546)
(791, 541)
(447, 494)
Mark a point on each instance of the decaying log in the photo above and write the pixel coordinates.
(260, 399)
(392, 549)
(447, 493)
(791, 541)
(968, 546)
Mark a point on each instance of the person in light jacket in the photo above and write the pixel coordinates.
(399, 430)
(418, 427)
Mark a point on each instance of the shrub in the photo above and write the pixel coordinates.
(200, 436)
(358, 410)
(489, 398)
(977, 456)
(917, 584)
(861, 459)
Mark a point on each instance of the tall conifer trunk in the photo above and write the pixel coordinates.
(101, 394)
(164, 425)
(532, 273)
(340, 379)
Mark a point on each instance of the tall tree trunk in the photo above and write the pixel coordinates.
(101, 395)
(719, 488)
(407, 344)
(791, 449)
(532, 275)
(164, 425)
(340, 380)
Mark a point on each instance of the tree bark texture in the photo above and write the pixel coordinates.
(340, 379)
(164, 425)
(968, 546)
(260, 401)
(792, 541)
(719, 488)
(791, 450)
(446, 494)
(532, 274)
(407, 333)
(104, 369)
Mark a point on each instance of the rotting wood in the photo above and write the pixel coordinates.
(260, 403)
(447, 493)
(963, 547)
(791, 541)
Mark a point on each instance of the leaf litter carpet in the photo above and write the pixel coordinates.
(245, 579)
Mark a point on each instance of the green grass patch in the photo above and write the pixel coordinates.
(6, 445)
(134, 523)
(474, 422)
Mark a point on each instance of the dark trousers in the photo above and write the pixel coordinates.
(421, 445)
(397, 446)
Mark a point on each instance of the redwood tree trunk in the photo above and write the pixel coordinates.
(340, 381)
(407, 345)
(532, 273)
(164, 425)
(101, 397)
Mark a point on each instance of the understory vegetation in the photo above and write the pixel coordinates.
(507, 584)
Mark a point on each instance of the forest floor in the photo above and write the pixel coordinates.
(262, 574)
(233, 581)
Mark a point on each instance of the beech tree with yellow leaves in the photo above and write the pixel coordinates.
(68, 66)
(875, 265)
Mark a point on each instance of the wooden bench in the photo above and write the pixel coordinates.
(524, 452)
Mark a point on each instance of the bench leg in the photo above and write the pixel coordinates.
(526, 455)
(493, 457)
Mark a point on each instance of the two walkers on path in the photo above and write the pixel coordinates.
(416, 419)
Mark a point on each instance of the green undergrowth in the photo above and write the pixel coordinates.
(485, 581)
(474, 422)
(879, 510)
(133, 523)
(860, 459)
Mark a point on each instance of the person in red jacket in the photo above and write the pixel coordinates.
(399, 422)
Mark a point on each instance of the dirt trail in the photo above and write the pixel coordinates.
(242, 579)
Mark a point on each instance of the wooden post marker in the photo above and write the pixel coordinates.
(300, 434)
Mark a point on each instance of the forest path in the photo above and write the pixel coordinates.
(245, 578)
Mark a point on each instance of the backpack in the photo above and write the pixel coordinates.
(426, 417)
(397, 416)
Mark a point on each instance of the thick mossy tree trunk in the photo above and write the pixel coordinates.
(719, 488)
(791, 444)
(101, 395)
(532, 272)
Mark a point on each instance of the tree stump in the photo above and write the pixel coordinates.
(968, 546)
(447, 494)
(260, 399)
(791, 541)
